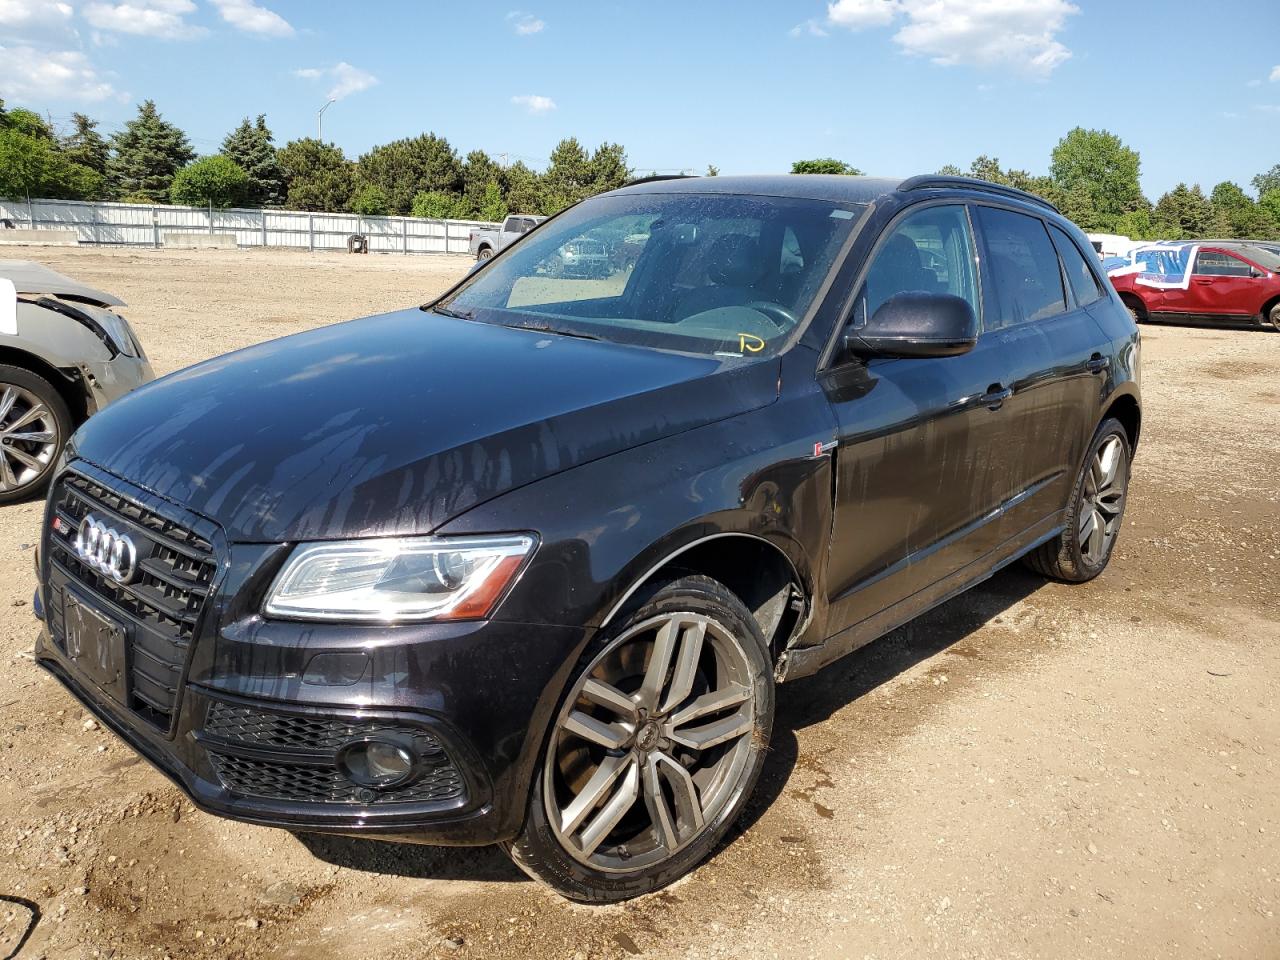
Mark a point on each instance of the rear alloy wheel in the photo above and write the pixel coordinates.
(1093, 519)
(34, 422)
(656, 746)
(484, 253)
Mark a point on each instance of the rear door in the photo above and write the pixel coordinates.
(1052, 355)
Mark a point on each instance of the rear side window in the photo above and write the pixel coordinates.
(1083, 282)
(930, 251)
(1214, 263)
(1024, 269)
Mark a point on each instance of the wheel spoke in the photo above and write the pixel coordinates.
(40, 436)
(1087, 523)
(713, 702)
(656, 803)
(716, 732)
(684, 792)
(686, 665)
(1111, 503)
(7, 480)
(1097, 537)
(38, 411)
(611, 736)
(611, 698)
(24, 458)
(7, 400)
(655, 674)
(613, 811)
(1108, 463)
(595, 790)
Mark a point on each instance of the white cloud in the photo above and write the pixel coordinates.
(346, 78)
(525, 23)
(251, 18)
(812, 28)
(29, 75)
(534, 103)
(164, 19)
(1019, 34)
(21, 14)
(859, 14)
(1275, 75)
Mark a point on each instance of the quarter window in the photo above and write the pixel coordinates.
(1215, 263)
(1084, 284)
(930, 251)
(1024, 269)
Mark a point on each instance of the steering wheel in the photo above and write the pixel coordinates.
(781, 317)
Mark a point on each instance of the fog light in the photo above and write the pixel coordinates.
(381, 764)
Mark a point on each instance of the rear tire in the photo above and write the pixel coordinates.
(1082, 550)
(34, 424)
(484, 253)
(644, 770)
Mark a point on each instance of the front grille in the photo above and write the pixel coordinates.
(241, 741)
(273, 780)
(163, 603)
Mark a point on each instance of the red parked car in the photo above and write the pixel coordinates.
(1213, 280)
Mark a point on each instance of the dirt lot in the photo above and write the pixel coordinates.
(1033, 770)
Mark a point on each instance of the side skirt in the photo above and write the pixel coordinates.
(804, 661)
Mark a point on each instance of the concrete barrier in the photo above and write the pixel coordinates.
(200, 241)
(40, 238)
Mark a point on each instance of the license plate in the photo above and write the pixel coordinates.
(96, 645)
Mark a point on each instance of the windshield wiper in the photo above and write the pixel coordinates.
(456, 314)
(546, 328)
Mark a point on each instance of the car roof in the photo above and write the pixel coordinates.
(835, 188)
(33, 278)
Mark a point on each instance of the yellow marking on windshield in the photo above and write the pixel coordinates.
(750, 343)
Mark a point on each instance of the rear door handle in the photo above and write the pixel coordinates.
(995, 396)
(1096, 364)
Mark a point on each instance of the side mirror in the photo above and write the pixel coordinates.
(917, 325)
(1255, 273)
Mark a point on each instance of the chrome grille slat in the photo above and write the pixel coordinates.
(169, 592)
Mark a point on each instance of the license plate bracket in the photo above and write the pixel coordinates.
(97, 645)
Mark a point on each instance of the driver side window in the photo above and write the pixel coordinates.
(930, 251)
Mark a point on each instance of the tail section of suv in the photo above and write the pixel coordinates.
(526, 566)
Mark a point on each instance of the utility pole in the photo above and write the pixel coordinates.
(320, 119)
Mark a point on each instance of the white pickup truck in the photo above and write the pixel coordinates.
(485, 243)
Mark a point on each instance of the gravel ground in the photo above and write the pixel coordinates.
(1032, 770)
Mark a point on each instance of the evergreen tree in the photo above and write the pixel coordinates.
(85, 145)
(250, 147)
(569, 176)
(320, 177)
(404, 168)
(492, 207)
(522, 189)
(1183, 213)
(148, 152)
(478, 171)
(609, 169)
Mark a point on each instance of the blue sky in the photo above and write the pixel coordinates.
(893, 86)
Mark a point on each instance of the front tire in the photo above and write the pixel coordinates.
(1273, 316)
(1082, 550)
(484, 253)
(657, 745)
(34, 424)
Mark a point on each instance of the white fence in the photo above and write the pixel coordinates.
(134, 224)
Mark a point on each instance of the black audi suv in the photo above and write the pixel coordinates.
(525, 565)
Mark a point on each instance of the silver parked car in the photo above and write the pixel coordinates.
(64, 354)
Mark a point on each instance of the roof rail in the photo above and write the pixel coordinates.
(660, 176)
(938, 182)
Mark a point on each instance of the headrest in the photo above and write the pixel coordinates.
(735, 260)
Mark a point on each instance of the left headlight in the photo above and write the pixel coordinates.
(398, 579)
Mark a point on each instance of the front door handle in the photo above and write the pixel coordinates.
(995, 396)
(1096, 364)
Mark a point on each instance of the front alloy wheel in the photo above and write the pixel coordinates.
(657, 744)
(33, 424)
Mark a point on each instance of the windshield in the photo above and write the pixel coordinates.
(1264, 256)
(698, 273)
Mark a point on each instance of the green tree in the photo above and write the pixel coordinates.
(569, 177)
(436, 205)
(1266, 182)
(492, 207)
(609, 169)
(215, 181)
(251, 147)
(404, 168)
(825, 165)
(712, 170)
(522, 189)
(29, 122)
(1183, 213)
(1235, 214)
(370, 200)
(148, 152)
(85, 146)
(1136, 225)
(1098, 163)
(478, 171)
(950, 170)
(1269, 207)
(319, 176)
(31, 167)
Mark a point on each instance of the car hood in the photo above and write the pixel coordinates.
(400, 422)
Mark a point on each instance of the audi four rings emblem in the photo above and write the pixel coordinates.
(110, 553)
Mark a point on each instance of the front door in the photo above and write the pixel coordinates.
(1222, 285)
(914, 495)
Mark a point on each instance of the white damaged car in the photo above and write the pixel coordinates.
(64, 354)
